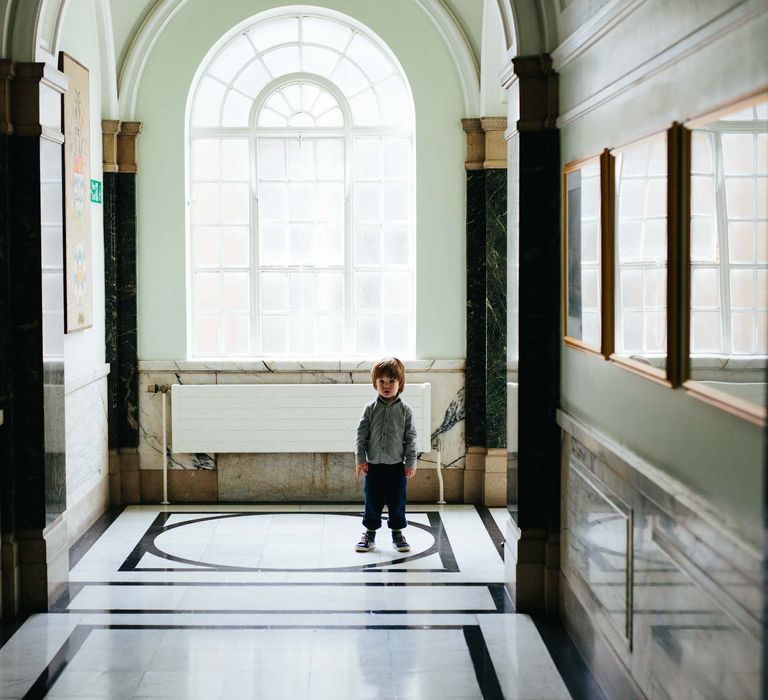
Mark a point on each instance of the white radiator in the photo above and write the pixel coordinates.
(281, 417)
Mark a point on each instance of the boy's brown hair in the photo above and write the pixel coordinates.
(389, 367)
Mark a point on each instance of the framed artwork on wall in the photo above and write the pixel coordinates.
(586, 245)
(78, 272)
(725, 239)
(646, 259)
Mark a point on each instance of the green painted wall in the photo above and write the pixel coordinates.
(440, 172)
(716, 454)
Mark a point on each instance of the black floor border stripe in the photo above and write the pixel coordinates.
(483, 664)
(80, 548)
(245, 611)
(495, 533)
(473, 636)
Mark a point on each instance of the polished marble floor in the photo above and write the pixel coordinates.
(273, 602)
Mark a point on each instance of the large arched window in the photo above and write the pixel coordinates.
(301, 191)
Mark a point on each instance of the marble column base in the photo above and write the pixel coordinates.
(130, 476)
(115, 496)
(425, 488)
(537, 572)
(11, 577)
(184, 486)
(474, 474)
(495, 483)
(44, 565)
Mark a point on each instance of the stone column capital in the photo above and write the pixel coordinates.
(486, 145)
(110, 128)
(537, 83)
(126, 146)
(34, 113)
(6, 76)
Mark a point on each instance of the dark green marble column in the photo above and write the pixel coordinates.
(486, 254)
(110, 302)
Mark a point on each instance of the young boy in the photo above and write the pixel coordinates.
(386, 454)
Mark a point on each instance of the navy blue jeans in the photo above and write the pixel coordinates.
(385, 485)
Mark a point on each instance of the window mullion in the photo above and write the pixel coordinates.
(350, 334)
(724, 268)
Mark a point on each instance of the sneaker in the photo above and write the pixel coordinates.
(399, 543)
(366, 543)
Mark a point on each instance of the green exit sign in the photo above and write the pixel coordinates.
(96, 191)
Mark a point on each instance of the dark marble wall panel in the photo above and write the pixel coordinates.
(127, 369)
(539, 364)
(110, 302)
(496, 308)
(26, 328)
(476, 309)
(6, 473)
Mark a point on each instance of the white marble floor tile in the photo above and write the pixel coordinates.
(256, 633)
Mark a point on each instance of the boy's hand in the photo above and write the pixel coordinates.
(361, 469)
(409, 472)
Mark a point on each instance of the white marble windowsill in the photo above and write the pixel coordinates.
(291, 365)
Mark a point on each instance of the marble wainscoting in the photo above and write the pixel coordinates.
(294, 477)
(661, 591)
(87, 465)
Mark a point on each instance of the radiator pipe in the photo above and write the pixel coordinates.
(165, 500)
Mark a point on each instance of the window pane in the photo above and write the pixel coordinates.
(331, 200)
(706, 332)
(273, 244)
(205, 156)
(739, 197)
(301, 159)
(236, 291)
(274, 335)
(324, 31)
(330, 292)
(235, 247)
(395, 245)
(235, 203)
(742, 289)
(365, 109)
(368, 291)
(301, 202)
(394, 101)
(271, 163)
(367, 154)
(268, 118)
(631, 288)
(274, 291)
(701, 152)
(740, 243)
(235, 159)
(237, 332)
(655, 328)
(205, 203)
(303, 292)
(738, 154)
(319, 60)
(273, 202)
(397, 157)
(330, 159)
(704, 240)
(655, 240)
(705, 288)
(368, 331)
(348, 77)
(367, 201)
(632, 335)
(210, 94)
(207, 291)
(330, 118)
(253, 79)
(302, 335)
(397, 291)
(742, 327)
(397, 338)
(761, 247)
(762, 154)
(369, 57)
(367, 245)
(205, 335)
(330, 335)
(233, 57)
(237, 109)
(702, 196)
(205, 244)
(330, 239)
(282, 61)
(281, 30)
(396, 201)
(655, 291)
(302, 244)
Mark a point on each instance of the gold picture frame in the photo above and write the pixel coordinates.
(735, 383)
(76, 170)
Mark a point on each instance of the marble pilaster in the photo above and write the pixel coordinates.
(535, 141)
(37, 332)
